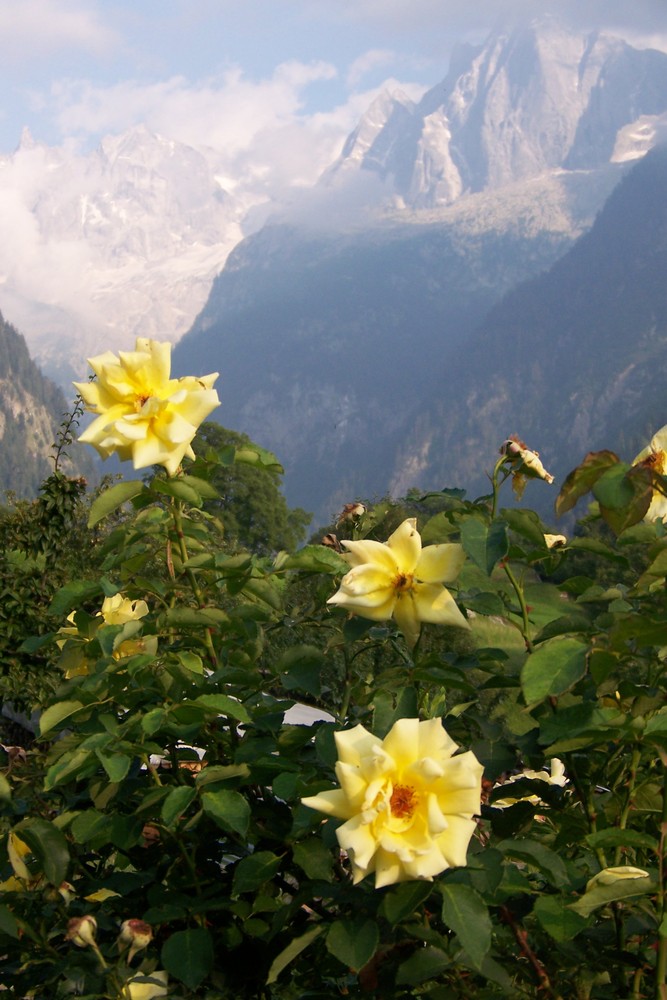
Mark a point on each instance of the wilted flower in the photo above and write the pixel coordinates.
(135, 933)
(556, 776)
(408, 801)
(654, 457)
(400, 579)
(81, 931)
(525, 464)
(143, 414)
(146, 986)
(350, 512)
(610, 875)
(555, 541)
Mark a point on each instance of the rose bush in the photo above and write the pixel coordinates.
(174, 832)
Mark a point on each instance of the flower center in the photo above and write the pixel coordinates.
(403, 801)
(139, 402)
(403, 582)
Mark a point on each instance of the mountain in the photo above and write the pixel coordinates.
(572, 360)
(31, 411)
(533, 98)
(102, 247)
(335, 342)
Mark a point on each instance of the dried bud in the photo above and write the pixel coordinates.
(331, 542)
(151, 835)
(136, 933)
(81, 931)
(526, 462)
(350, 512)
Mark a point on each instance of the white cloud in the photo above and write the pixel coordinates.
(33, 28)
(366, 63)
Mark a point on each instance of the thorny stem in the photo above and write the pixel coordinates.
(661, 964)
(623, 820)
(521, 938)
(496, 483)
(518, 590)
(192, 579)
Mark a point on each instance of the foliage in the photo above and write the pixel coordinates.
(166, 787)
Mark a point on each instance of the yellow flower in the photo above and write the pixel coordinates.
(400, 579)
(654, 457)
(407, 800)
(116, 610)
(119, 610)
(556, 776)
(143, 414)
(146, 987)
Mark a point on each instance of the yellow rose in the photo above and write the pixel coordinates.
(400, 579)
(143, 414)
(654, 457)
(408, 801)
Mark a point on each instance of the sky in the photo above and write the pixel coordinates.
(276, 85)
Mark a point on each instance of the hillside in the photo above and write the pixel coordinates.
(31, 409)
(572, 360)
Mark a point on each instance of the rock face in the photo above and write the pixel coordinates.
(120, 243)
(337, 349)
(533, 98)
(31, 410)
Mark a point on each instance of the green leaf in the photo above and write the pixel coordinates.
(253, 871)
(466, 913)
(5, 789)
(293, 949)
(72, 595)
(49, 846)
(614, 837)
(537, 855)
(555, 666)
(222, 704)
(426, 963)
(195, 617)
(188, 956)
(116, 765)
(252, 454)
(176, 803)
(8, 923)
(353, 942)
(302, 667)
(402, 901)
(558, 920)
(525, 523)
(624, 493)
(179, 489)
(485, 544)
(623, 888)
(190, 661)
(583, 478)
(229, 809)
(55, 714)
(315, 559)
(113, 498)
(202, 486)
(314, 858)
